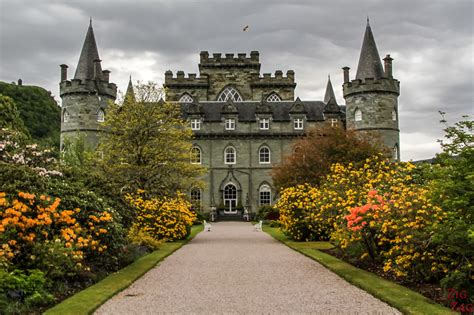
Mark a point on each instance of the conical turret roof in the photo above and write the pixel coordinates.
(329, 92)
(89, 53)
(370, 65)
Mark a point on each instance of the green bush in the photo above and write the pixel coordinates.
(268, 213)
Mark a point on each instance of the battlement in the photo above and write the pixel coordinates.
(387, 85)
(229, 60)
(181, 80)
(87, 86)
(277, 80)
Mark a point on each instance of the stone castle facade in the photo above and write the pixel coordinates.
(244, 122)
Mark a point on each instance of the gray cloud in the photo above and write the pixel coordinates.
(431, 41)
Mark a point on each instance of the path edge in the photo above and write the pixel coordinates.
(91, 298)
(403, 299)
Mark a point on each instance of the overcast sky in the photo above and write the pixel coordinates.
(431, 42)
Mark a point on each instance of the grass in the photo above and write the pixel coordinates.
(89, 299)
(403, 299)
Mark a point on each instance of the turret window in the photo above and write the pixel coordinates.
(229, 93)
(196, 124)
(230, 155)
(395, 153)
(264, 123)
(100, 116)
(186, 98)
(394, 115)
(298, 123)
(273, 98)
(264, 155)
(65, 116)
(195, 155)
(358, 115)
(265, 194)
(230, 124)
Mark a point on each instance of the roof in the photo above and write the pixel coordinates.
(89, 53)
(369, 65)
(329, 92)
(212, 111)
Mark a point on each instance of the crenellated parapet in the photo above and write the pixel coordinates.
(278, 80)
(386, 85)
(180, 80)
(77, 86)
(229, 60)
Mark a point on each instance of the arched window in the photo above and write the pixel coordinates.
(273, 98)
(65, 116)
(229, 93)
(394, 115)
(264, 155)
(230, 198)
(395, 153)
(358, 115)
(230, 156)
(195, 155)
(186, 98)
(265, 195)
(195, 195)
(100, 116)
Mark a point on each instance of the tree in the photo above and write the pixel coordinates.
(313, 155)
(147, 144)
(10, 116)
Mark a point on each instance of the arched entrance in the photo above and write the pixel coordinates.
(230, 198)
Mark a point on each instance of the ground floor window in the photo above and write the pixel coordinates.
(195, 199)
(265, 195)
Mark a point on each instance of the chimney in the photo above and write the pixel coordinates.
(388, 66)
(346, 74)
(97, 71)
(20, 82)
(63, 72)
(106, 75)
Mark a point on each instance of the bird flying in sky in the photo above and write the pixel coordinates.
(246, 28)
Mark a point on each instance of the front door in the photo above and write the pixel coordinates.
(230, 199)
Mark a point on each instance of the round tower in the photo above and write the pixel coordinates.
(86, 96)
(372, 98)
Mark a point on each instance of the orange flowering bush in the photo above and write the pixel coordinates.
(163, 218)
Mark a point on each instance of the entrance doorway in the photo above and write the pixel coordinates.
(230, 199)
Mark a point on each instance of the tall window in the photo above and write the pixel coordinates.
(264, 123)
(65, 116)
(394, 115)
(229, 124)
(195, 155)
(230, 155)
(195, 199)
(230, 197)
(196, 124)
(395, 153)
(358, 115)
(298, 123)
(229, 93)
(265, 194)
(185, 98)
(264, 155)
(273, 98)
(100, 116)
(334, 122)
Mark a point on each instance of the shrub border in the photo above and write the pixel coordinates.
(91, 298)
(400, 297)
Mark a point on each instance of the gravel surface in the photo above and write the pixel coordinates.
(234, 269)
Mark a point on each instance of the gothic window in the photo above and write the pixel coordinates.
(358, 115)
(229, 93)
(264, 155)
(265, 194)
(196, 124)
(298, 123)
(230, 124)
(230, 197)
(100, 116)
(394, 115)
(195, 195)
(273, 98)
(230, 155)
(65, 116)
(186, 98)
(195, 155)
(264, 123)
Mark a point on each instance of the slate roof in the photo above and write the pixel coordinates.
(212, 111)
(89, 53)
(329, 92)
(369, 65)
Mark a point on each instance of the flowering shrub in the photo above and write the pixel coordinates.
(163, 218)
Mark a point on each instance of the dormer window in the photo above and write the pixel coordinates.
(229, 93)
(298, 123)
(273, 98)
(100, 116)
(264, 123)
(229, 124)
(358, 115)
(186, 98)
(196, 124)
(334, 122)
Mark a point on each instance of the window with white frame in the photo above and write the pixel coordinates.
(298, 123)
(264, 123)
(273, 98)
(195, 155)
(230, 155)
(186, 98)
(195, 195)
(358, 115)
(65, 116)
(395, 152)
(229, 93)
(394, 115)
(229, 124)
(195, 124)
(100, 116)
(334, 122)
(265, 194)
(264, 155)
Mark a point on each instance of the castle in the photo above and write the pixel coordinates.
(243, 122)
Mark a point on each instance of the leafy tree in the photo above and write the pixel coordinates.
(10, 115)
(147, 144)
(313, 155)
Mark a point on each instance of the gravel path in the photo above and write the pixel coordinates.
(234, 269)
